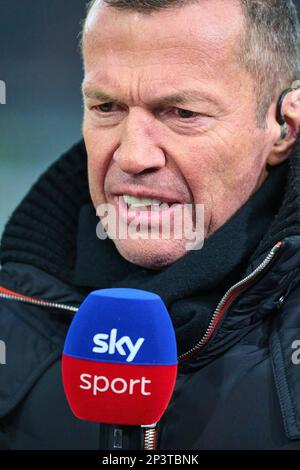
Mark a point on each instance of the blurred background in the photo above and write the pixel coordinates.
(41, 66)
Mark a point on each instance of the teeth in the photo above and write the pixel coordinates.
(141, 202)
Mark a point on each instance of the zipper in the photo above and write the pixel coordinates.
(9, 295)
(150, 431)
(226, 300)
(150, 436)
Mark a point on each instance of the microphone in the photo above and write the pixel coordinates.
(119, 364)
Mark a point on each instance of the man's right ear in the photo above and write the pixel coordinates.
(288, 119)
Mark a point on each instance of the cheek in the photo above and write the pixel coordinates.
(221, 174)
(203, 168)
(217, 165)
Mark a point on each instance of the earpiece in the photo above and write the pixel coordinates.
(279, 117)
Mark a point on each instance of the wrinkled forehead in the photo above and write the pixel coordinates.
(211, 28)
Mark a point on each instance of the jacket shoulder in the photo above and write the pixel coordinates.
(30, 343)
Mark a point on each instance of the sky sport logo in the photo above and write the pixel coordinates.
(2, 353)
(152, 222)
(120, 361)
(2, 92)
(110, 344)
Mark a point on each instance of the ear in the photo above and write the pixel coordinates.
(286, 134)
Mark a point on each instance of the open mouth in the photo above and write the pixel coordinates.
(144, 204)
(145, 210)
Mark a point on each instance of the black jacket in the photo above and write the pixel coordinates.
(241, 390)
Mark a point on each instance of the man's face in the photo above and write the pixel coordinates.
(178, 123)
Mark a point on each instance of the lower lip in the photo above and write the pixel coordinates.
(144, 216)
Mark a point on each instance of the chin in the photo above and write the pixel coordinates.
(151, 254)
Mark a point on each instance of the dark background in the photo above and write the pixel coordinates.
(41, 66)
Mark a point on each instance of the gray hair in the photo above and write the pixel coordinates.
(269, 50)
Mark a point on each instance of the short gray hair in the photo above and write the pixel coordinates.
(269, 50)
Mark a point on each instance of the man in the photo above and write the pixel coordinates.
(185, 103)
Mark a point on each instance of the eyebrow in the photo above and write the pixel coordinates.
(183, 97)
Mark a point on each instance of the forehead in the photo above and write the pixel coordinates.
(212, 24)
(199, 40)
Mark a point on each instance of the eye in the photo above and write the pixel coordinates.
(105, 107)
(185, 113)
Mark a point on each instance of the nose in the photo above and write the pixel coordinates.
(138, 152)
